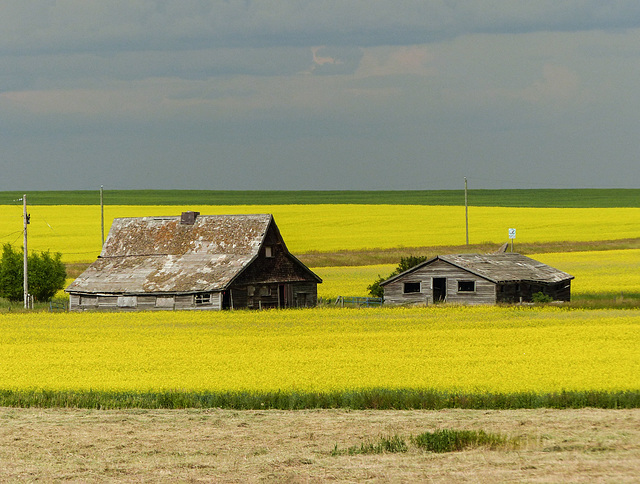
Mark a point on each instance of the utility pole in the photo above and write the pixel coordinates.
(102, 215)
(26, 217)
(466, 210)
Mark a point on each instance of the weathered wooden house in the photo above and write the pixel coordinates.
(194, 262)
(477, 279)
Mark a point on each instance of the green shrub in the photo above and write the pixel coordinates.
(47, 274)
(541, 297)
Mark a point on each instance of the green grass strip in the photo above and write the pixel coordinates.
(382, 399)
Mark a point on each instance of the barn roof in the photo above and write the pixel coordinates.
(498, 268)
(163, 255)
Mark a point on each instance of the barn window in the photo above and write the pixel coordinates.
(466, 286)
(268, 251)
(203, 299)
(410, 287)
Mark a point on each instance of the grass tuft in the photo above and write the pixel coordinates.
(391, 444)
(440, 441)
(446, 440)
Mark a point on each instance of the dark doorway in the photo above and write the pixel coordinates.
(282, 302)
(439, 289)
(226, 300)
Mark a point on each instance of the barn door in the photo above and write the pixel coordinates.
(226, 300)
(282, 296)
(439, 289)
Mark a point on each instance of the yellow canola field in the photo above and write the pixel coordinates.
(74, 230)
(611, 272)
(454, 348)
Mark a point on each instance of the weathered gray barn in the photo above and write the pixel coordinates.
(477, 279)
(194, 262)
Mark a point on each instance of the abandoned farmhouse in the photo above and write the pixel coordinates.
(193, 261)
(477, 279)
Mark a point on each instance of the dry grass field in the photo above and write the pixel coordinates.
(53, 445)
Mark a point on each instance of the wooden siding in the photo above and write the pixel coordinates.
(305, 294)
(278, 268)
(150, 302)
(260, 296)
(485, 291)
(216, 301)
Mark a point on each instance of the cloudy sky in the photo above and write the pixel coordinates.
(321, 94)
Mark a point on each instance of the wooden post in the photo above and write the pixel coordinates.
(25, 216)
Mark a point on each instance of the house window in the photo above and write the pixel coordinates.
(466, 286)
(268, 251)
(410, 287)
(203, 299)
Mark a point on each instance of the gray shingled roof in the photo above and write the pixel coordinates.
(498, 268)
(158, 254)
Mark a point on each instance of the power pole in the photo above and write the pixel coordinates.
(466, 210)
(102, 215)
(25, 216)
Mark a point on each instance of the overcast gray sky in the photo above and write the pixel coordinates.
(321, 94)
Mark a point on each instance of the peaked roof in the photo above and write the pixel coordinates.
(497, 268)
(159, 254)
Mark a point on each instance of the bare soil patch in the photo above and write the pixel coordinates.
(585, 445)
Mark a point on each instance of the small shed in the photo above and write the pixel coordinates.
(194, 261)
(477, 279)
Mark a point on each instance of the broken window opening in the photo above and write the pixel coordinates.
(411, 287)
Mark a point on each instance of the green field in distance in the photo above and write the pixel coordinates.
(560, 198)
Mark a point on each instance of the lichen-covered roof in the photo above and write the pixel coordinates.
(159, 254)
(498, 268)
(507, 267)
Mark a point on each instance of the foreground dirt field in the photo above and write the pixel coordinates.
(248, 446)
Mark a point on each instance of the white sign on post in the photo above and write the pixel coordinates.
(512, 233)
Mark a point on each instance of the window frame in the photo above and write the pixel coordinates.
(466, 281)
(202, 299)
(416, 287)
